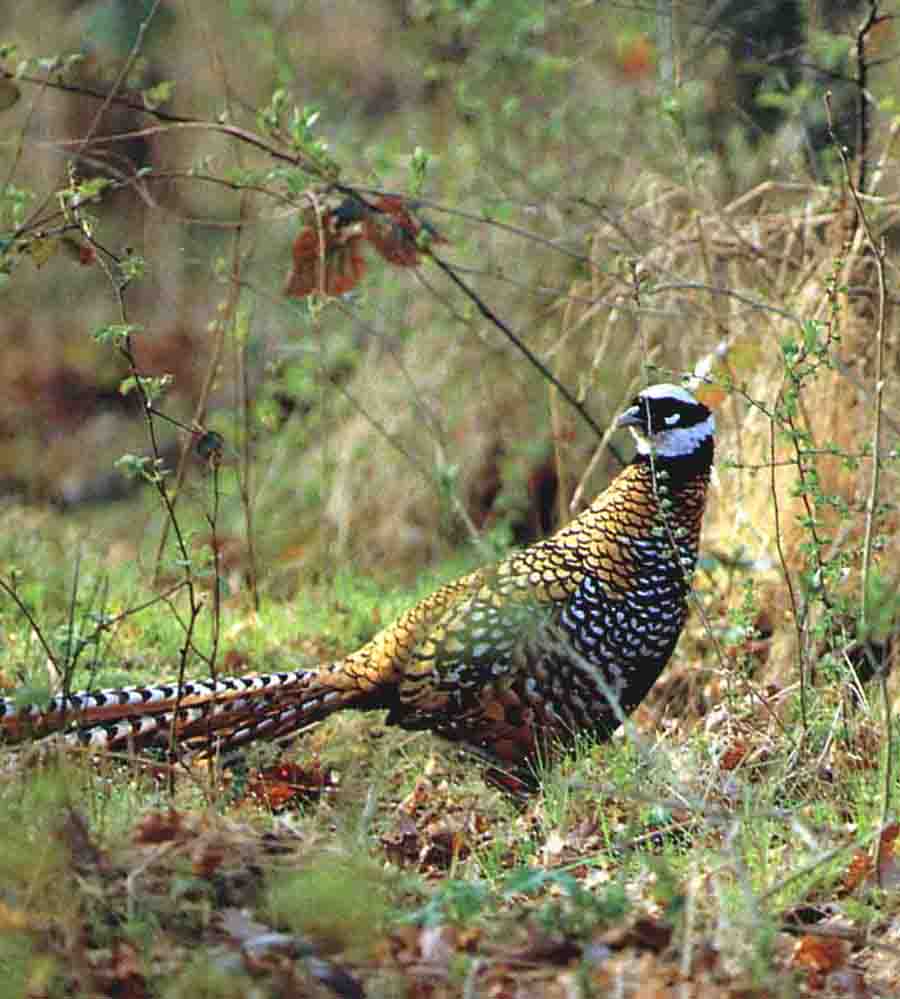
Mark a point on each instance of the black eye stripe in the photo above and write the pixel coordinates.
(661, 409)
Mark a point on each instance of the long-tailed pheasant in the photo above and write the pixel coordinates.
(563, 637)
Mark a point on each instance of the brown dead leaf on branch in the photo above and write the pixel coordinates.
(327, 259)
(328, 253)
(396, 233)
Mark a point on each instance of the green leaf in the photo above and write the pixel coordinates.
(135, 466)
(115, 333)
(811, 331)
(153, 97)
(127, 385)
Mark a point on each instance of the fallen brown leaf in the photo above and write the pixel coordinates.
(819, 956)
(159, 827)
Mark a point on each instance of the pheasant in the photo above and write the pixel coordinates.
(563, 637)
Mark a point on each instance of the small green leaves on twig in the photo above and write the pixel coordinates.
(115, 334)
(283, 120)
(154, 386)
(132, 267)
(137, 466)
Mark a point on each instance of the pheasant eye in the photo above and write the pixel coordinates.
(670, 421)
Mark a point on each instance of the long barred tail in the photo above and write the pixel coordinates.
(226, 713)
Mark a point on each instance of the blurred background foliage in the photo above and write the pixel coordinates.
(635, 189)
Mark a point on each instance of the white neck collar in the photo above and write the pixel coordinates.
(677, 442)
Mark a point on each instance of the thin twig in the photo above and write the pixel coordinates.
(795, 613)
(456, 502)
(127, 66)
(70, 656)
(215, 545)
(201, 408)
(863, 101)
(879, 253)
(175, 121)
(525, 350)
(241, 344)
(195, 604)
(10, 590)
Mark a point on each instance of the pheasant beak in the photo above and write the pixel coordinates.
(632, 417)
